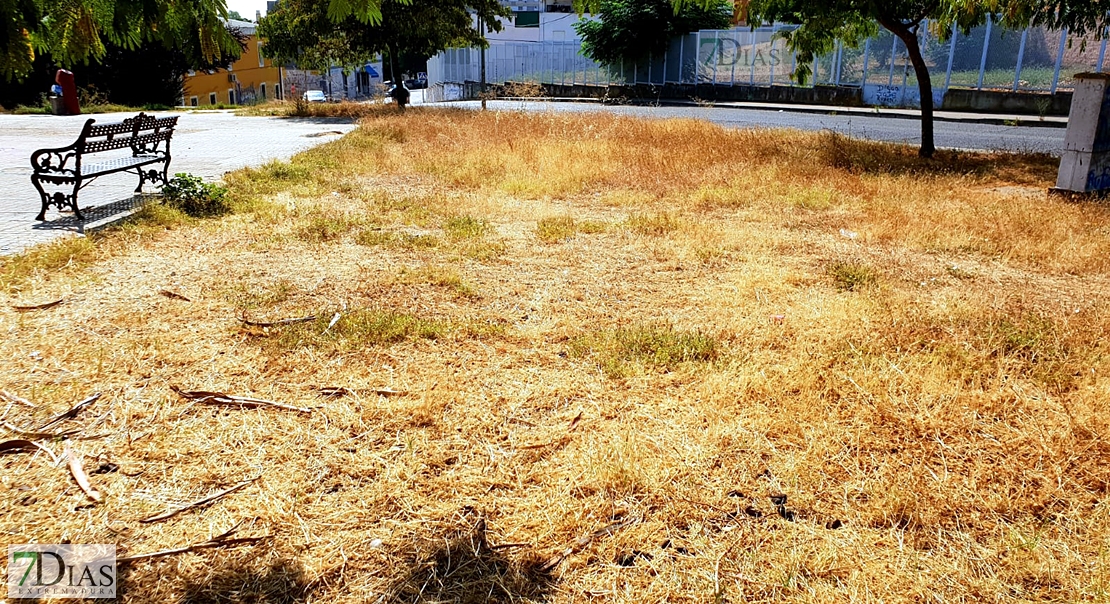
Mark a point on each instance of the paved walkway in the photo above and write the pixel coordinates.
(206, 143)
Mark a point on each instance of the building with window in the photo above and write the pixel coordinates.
(251, 79)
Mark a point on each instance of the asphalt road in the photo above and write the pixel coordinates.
(962, 135)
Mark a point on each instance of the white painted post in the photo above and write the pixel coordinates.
(681, 57)
(1085, 163)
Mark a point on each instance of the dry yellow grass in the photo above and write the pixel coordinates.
(775, 366)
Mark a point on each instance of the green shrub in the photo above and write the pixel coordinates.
(195, 197)
(852, 276)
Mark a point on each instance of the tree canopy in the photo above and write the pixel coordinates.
(76, 32)
(630, 30)
(348, 32)
(852, 21)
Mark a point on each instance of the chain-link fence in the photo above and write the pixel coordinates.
(988, 58)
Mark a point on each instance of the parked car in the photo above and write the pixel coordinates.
(416, 83)
(315, 96)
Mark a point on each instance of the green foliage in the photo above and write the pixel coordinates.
(659, 224)
(852, 276)
(195, 197)
(620, 352)
(630, 30)
(466, 227)
(316, 34)
(75, 32)
(358, 329)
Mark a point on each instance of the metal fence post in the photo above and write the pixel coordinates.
(866, 60)
(717, 52)
(1020, 58)
(751, 58)
(1101, 55)
(562, 65)
(681, 56)
(774, 33)
(839, 59)
(1059, 59)
(951, 56)
(893, 53)
(732, 77)
(986, 48)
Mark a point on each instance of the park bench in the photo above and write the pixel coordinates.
(147, 137)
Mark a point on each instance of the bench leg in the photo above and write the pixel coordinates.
(153, 176)
(43, 196)
(57, 199)
(73, 200)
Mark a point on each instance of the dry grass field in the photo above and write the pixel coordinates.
(580, 359)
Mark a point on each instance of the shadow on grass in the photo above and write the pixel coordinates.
(870, 157)
(249, 580)
(461, 566)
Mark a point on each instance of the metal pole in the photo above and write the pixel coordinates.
(774, 32)
(651, 59)
(717, 51)
(867, 59)
(732, 78)
(986, 48)
(751, 57)
(951, 55)
(1101, 55)
(1059, 59)
(563, 64)
(839, 59)
(1020, 58)
(682, 56)
(482, 55)
(893, 52)
(666, 55)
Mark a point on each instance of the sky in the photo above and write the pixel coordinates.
(247, 7)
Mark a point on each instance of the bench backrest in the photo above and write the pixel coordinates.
(140, 132)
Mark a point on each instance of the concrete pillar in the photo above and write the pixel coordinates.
(1085, 164)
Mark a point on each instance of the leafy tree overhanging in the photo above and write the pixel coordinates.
(630, 30)
(75, 32)
(347, 32)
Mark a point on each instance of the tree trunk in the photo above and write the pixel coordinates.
(924, 83)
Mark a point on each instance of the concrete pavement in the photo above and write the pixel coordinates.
(206, 144)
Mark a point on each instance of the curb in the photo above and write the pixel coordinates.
(946, 116)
